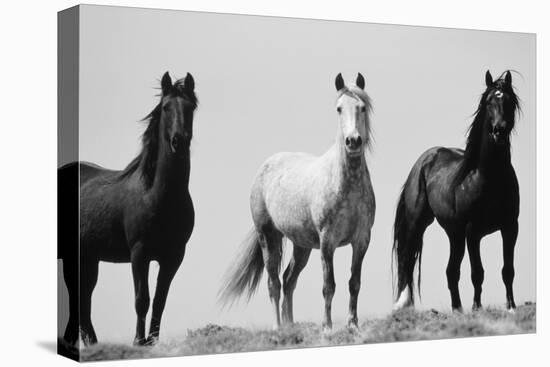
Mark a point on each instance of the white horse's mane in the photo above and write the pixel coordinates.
(355, 91)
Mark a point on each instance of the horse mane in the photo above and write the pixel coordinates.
(356, 92)
(475, 130)
(150, 138)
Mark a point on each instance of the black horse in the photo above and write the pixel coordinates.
(137, 215)
(471, 193)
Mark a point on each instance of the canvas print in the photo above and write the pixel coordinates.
(234, 183)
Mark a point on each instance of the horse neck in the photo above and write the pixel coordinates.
(493, 160)
(171, 175)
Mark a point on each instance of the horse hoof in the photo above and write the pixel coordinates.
(88, 342)
(404, 300)
(476, 308)
(287, 322)
(152, 341)
(512, 310)
(458, 310)
(327, 329)
(398, 307)
(140, 342)
(353, 324)
(402, 306)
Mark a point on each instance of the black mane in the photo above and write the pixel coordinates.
(475, 131)
(150, 137)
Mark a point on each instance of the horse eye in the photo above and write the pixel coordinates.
(363, 108)
(339, 109)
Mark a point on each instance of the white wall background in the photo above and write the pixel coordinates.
(29, 160)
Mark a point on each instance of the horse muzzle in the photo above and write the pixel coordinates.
(354, 145)
(498, 135)
(179, 145)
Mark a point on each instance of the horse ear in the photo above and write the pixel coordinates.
(166, 83)
(488, 79)
(189, 83)
(508, 78)
(339, 82)
(360, 82)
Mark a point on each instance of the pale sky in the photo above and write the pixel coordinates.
(266, 85)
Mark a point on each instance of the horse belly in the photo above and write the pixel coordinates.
(101, 231)
(303, 238)
(116, 255)
(105, 243)
(285, 206)
(297, 226)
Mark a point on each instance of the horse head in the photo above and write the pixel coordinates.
(353, 107)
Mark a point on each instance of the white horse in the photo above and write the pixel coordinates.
(316, 202)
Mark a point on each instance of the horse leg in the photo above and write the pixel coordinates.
(271, 244)
(166, 273)
(298, 262)
(88, 281)
(140, 273)
(70, 274)
(476, 265)
(329, 286)
(509, 237)
(359, 251)
(458, 246)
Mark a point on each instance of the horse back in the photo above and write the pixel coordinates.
(90, 170)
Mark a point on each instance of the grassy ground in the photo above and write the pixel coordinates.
(400, 326)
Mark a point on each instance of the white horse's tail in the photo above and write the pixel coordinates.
(246, 272)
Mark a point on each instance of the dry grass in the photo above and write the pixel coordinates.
(400, 326)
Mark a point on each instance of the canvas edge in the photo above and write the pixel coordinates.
(68, 43)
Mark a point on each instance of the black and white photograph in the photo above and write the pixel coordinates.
(234, 183)
(274, 183)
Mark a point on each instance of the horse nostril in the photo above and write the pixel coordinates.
(176, 142)
(353, 142)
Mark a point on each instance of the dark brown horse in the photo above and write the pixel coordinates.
(137, 215)
(471, 193)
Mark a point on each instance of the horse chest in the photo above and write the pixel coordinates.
(491, 212)
(493, 207)
(346, 216)
(161, 226)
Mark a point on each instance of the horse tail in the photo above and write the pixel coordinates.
(246, 272)
(412, 216)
